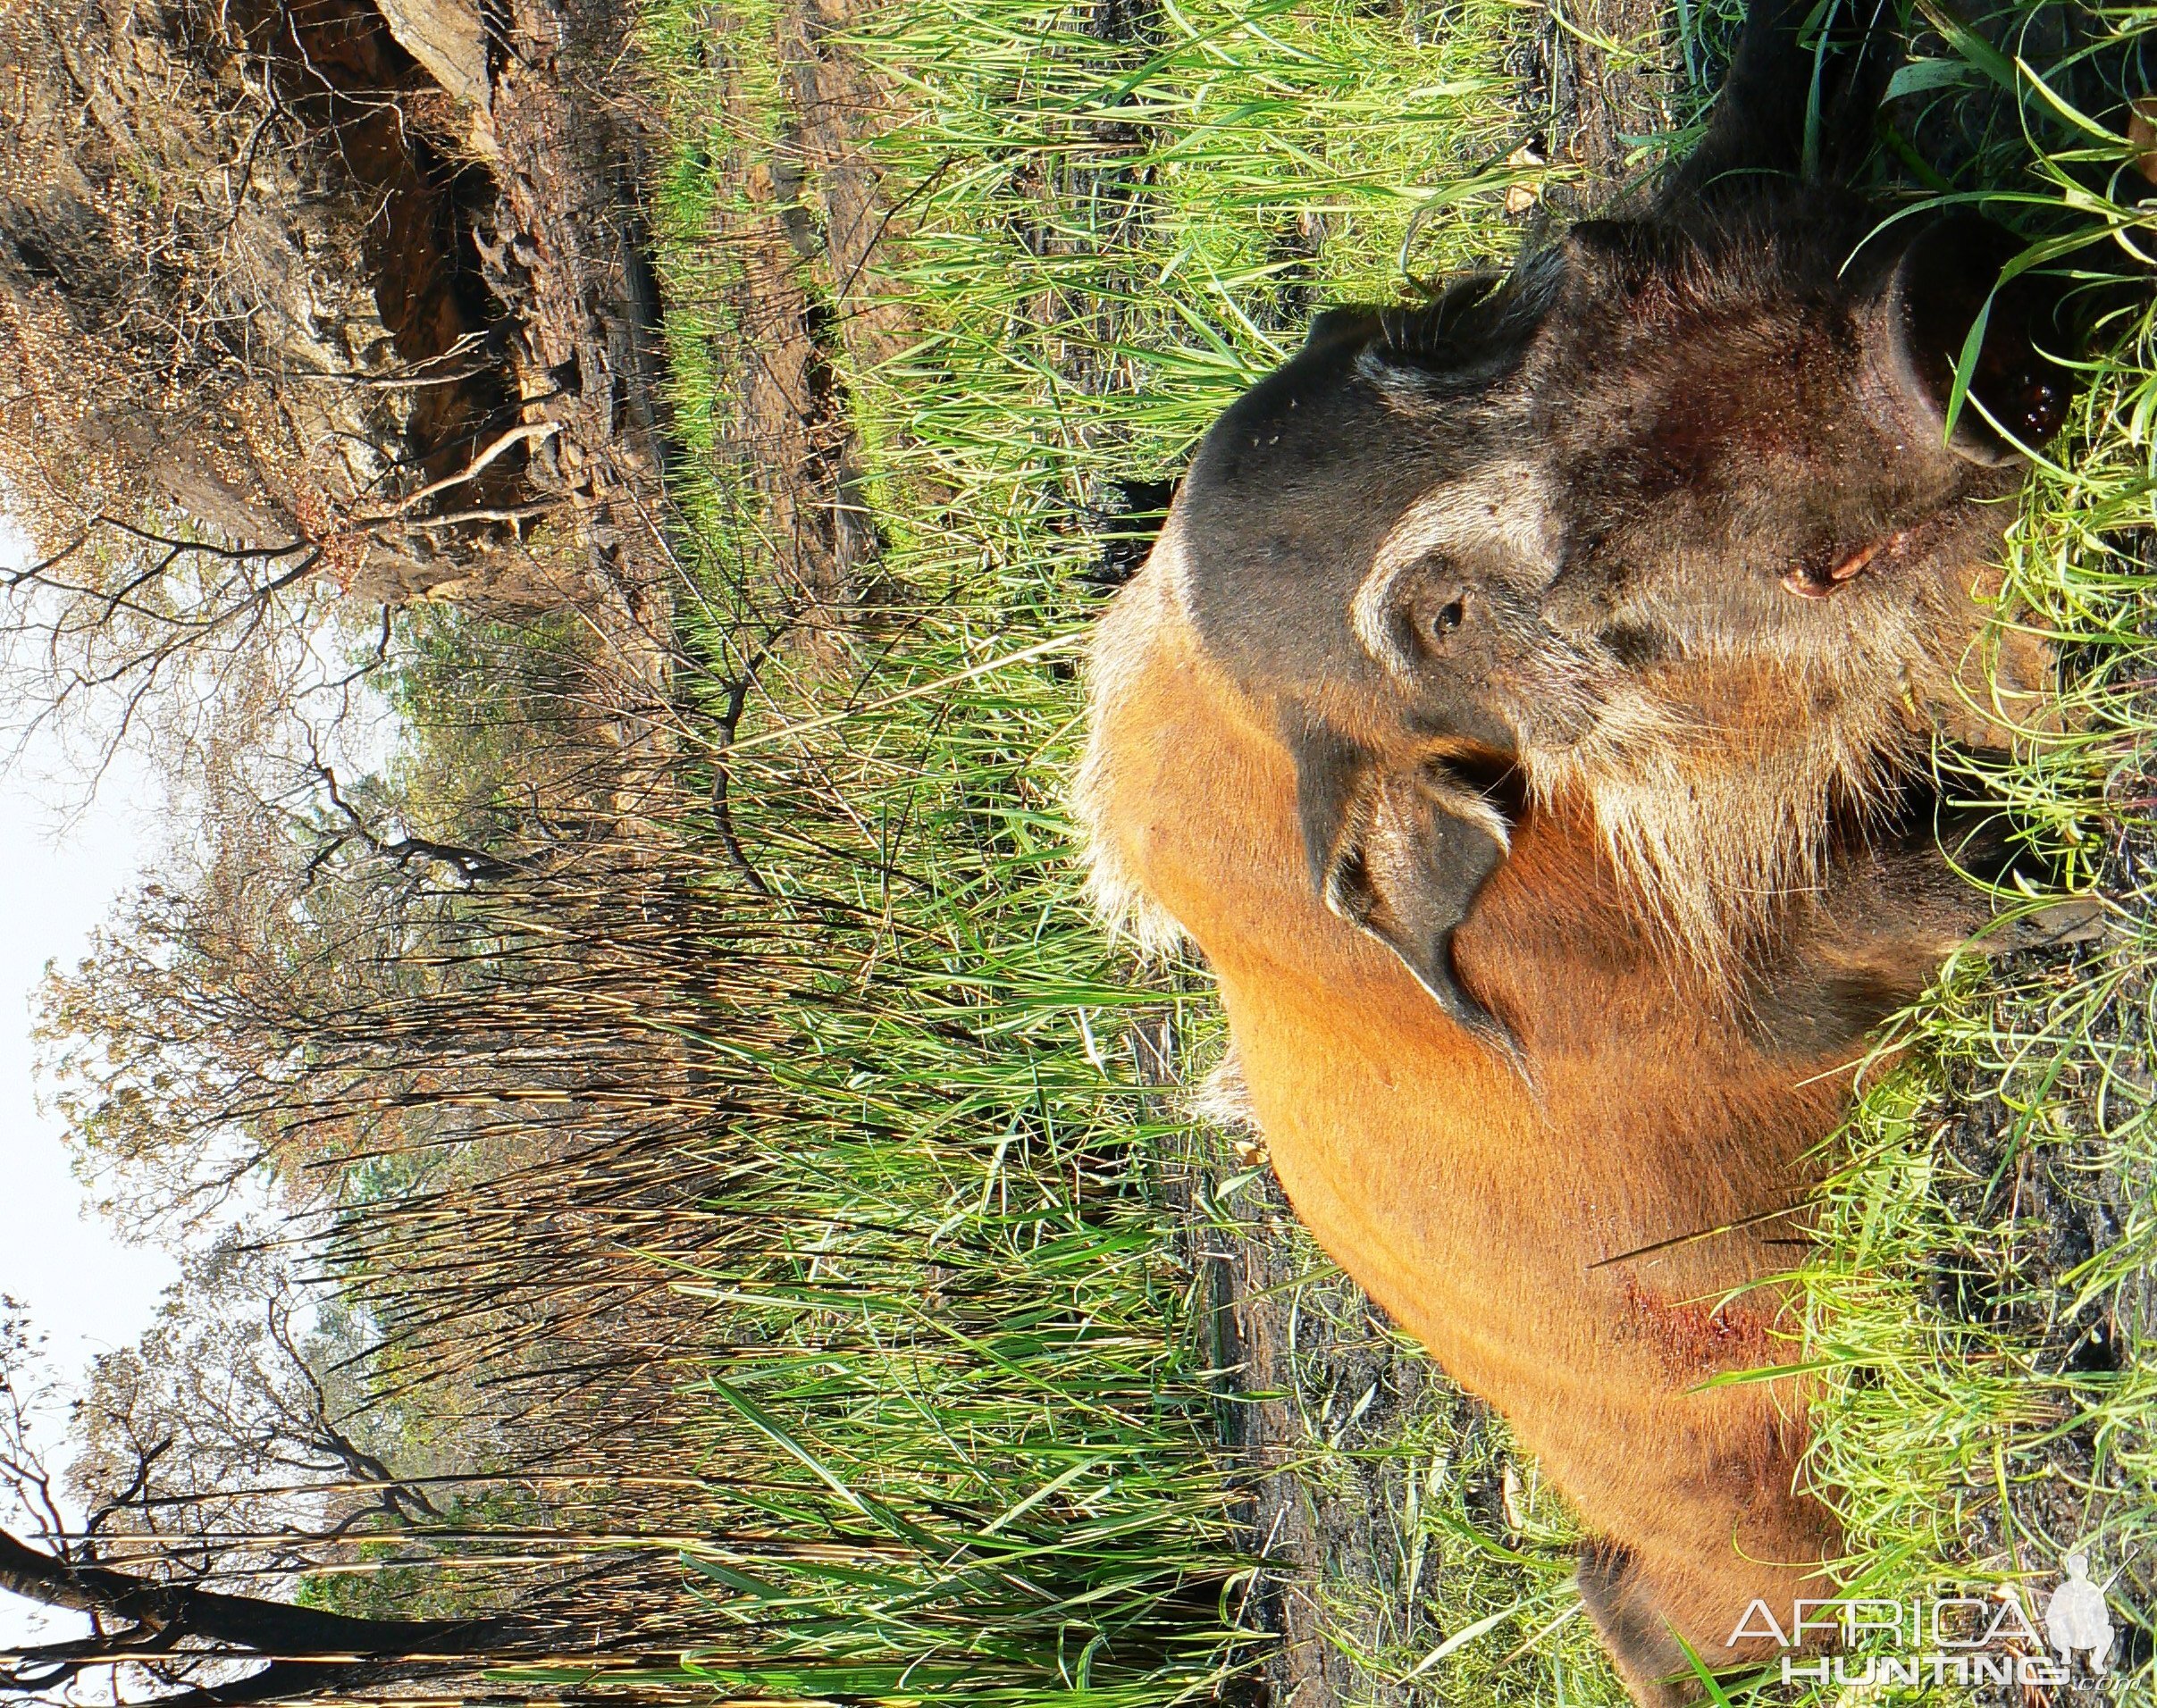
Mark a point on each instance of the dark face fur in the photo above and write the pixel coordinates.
(1664, 443)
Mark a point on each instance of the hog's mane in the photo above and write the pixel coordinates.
(1123, 642)
(1714, 827)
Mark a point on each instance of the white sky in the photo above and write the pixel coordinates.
(60, 873)
(63, 865)
(84, 1287)
(65, 858)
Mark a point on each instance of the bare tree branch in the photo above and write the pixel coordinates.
(247, 1621)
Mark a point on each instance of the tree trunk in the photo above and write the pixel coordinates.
(274, 1629)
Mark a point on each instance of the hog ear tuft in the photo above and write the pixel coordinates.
(1608, 239)
(1602, 256)
(1401, 856)
(1337, 325)
(1460, 341)
(1793, 105)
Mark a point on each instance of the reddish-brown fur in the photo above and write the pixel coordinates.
(1491, 1218)
(1524, 711)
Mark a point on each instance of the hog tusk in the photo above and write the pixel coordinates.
(1811, 585)
(1854, 563)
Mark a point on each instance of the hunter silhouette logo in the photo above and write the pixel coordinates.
(2077, 1619)
(1958, 1639)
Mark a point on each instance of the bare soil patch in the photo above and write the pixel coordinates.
(260, 267)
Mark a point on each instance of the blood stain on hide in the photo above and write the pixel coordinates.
(1694, 1336)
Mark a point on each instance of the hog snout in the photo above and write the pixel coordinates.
(1947, 278)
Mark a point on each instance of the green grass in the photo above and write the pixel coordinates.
(1105, 243)
(981, 1364)
(991, 1368)
(1964, 1443)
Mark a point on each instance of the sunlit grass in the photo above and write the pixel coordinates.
(981, 1358)
(1102, 243)
(1968, 1430)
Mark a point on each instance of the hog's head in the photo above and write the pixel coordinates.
(1671, 519)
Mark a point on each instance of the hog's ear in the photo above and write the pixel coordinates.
(1402, 856)
(1799, 102)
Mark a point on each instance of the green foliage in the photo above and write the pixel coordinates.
(1994, 1224)
(1106, 240)
(973, 1351)
(962, 1337)
(978, 1365)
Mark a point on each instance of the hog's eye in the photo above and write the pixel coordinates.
(1448, 618)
